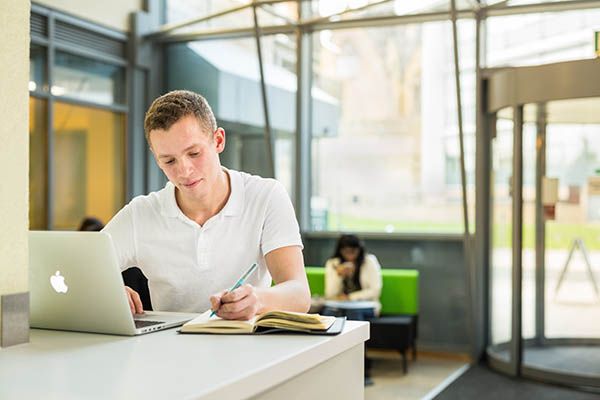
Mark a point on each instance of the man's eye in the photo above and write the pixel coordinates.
(169, 162)
(194, 154)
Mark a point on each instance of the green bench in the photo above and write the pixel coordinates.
(399, 294)
(396, 327)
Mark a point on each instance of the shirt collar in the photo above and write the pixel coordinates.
(233, 207)
(168, 204)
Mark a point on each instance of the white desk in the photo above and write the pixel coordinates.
(167, 365)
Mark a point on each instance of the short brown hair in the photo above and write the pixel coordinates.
(171, 107)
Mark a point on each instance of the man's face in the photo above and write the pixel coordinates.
(189, 156)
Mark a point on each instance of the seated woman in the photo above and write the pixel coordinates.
(352, 274)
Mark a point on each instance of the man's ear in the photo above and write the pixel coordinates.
(219, 138)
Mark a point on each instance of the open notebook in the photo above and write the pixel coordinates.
(272, 321)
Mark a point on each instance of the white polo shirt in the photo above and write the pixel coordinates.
(184, 262)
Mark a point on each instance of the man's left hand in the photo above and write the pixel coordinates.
(241, 304)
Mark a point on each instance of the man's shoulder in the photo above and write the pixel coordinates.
(259, 193)
(251, 181)
(257, 186)
(148, 202)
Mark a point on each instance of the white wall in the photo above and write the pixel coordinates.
(111, 13)
(14, 147)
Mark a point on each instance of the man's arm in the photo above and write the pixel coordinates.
(290, 293)
(282, 245)
(120, 229)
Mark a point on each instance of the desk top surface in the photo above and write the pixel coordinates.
(163, 364)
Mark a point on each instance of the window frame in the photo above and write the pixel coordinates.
(43, 34)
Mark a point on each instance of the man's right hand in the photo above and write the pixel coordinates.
(135, 303)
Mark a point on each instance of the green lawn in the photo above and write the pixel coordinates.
(349, 223)
(558, 235)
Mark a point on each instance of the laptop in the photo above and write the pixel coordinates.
(76, 285)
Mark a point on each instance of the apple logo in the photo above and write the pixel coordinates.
(58, 283)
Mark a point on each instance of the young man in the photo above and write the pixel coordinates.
(195, 237)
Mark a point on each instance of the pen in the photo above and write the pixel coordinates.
(239, 283)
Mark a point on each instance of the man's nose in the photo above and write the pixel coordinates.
(185, 167)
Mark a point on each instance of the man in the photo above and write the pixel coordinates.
(195, 237)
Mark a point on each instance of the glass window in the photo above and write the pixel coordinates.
(370, 8)
(37, 69)
(534, 39)
(38, 158)
(89, 164)
(385, 137)
(232, 88)
(88, 80)
(268, 14)
(521, 2)
(279, 52)
(276, 14)
(182, 10)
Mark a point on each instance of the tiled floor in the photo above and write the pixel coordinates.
(423, 375)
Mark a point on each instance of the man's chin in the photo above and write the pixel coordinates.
(193, 191)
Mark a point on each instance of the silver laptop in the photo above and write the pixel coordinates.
(76, 285)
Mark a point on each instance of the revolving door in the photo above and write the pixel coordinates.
(543, 130)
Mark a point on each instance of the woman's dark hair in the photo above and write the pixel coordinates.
(91, 224)
(354, 242)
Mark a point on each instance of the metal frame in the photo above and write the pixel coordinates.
(303, 153)
(516, 350)
(310, 26)
(50, 124)
(484, 207)
(540, 226)
(502, 9)
(265, 101)
(481, 288)
(469, 267)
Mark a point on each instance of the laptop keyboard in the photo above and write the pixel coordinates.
(144, 323)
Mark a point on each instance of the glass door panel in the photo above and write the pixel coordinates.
(529, 213)
(572, 242)
(501, 257)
